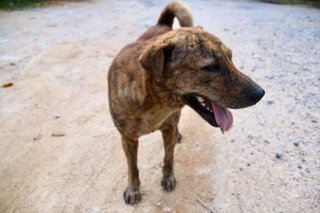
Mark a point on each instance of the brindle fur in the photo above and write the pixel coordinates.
(149, 77)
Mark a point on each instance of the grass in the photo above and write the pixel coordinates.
(19, 4)
(312, 3)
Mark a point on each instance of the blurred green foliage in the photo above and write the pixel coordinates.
(313, 3)
(18, 4)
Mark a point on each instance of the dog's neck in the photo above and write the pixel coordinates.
(156, 91)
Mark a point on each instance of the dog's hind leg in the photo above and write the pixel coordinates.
(169, 134)
(132, 193)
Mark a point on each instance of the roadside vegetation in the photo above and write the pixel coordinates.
(20, 4)
(312, 3)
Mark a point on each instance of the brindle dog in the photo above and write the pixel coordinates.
(153, 78)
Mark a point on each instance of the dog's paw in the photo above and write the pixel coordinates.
(131, 196)
(168, 183)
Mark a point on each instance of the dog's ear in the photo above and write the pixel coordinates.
(156, 59)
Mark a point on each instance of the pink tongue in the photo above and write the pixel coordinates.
(223, 117)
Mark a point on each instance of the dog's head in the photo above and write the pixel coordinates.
(198, 66)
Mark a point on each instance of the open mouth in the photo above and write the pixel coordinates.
(214, 114)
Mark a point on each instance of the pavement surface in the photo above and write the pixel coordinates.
(59, 150)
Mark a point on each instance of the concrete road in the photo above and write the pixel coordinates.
(59, 150)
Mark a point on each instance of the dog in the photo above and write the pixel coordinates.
(152, 79)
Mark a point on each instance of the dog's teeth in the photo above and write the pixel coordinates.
(200, 99)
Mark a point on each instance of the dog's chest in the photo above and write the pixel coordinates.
(152, 119)
(156, 117)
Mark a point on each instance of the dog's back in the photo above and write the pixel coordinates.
(128, 87)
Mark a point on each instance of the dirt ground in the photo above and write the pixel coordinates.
(59, 150)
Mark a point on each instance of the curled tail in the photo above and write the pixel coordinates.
(176, 9)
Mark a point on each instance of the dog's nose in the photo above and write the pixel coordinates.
(257, 94)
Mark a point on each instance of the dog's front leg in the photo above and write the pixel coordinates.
(169, 134)
(132, 193)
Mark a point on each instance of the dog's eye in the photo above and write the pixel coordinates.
(211, 68)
